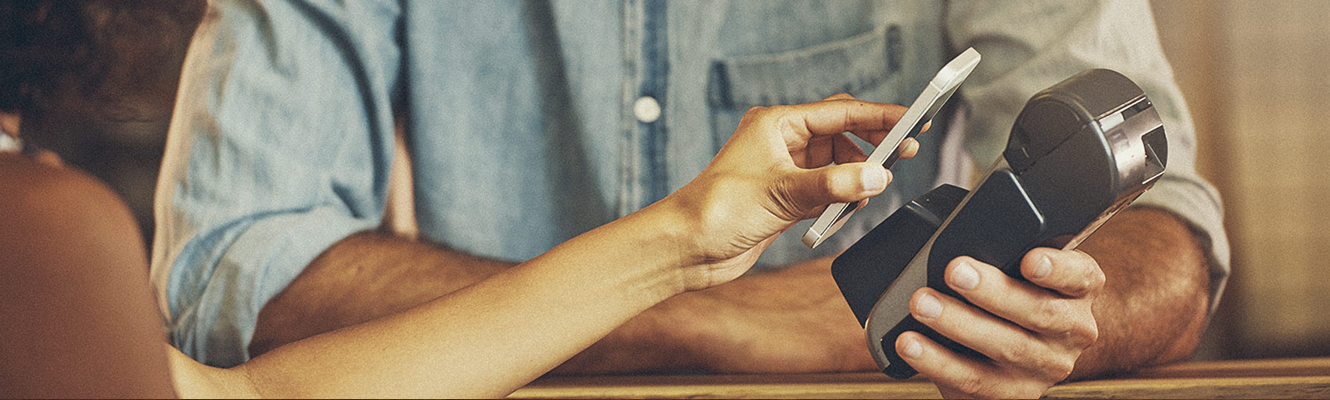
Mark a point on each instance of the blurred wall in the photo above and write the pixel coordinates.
(1257, 77)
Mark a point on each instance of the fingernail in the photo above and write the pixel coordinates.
(874, 178)
(965, 277)
(912, 349)
(1042, 267)
(929, 307)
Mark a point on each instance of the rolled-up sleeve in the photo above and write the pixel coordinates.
(1030, 45)
(280, 146)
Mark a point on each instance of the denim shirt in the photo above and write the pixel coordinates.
(530, 122)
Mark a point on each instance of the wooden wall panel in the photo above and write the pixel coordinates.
(1257, 74)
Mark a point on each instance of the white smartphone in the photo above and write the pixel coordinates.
(937, 93)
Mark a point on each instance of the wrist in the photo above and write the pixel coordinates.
(668, 231)
(645, 254)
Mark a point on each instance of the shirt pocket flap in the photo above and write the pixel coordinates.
(808, 74)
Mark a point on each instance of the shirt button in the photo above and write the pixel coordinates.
(646, 109)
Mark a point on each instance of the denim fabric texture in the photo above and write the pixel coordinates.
(520, 121)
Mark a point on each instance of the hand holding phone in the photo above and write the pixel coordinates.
(939, 90)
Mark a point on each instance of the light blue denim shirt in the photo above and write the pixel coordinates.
(520, 120)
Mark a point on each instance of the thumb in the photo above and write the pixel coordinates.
(806, 190)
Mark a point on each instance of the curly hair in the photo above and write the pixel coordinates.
(51, 48)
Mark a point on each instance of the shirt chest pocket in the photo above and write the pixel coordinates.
(858, 65)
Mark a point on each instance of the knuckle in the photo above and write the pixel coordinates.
(973, 385)
(1080, 288)
(1061, 369)
(755, 111)
(1018, 354)
(1047, 315)
(830, 182)
(840, 184)
(1094, 278)
(759, 113)
(1039, 361)
(1084, 335)
(1089, 284)
(1097, 279)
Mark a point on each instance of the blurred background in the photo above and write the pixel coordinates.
(1255, 73)
(1257, 77)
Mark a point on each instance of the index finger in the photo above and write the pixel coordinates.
(829, 117)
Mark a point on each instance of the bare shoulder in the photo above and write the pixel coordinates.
(76, 312)
(47, 206)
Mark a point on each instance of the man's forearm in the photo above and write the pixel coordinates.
(363, 277)
(1156, 294)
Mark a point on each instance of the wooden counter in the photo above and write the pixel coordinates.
(1281, 378)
